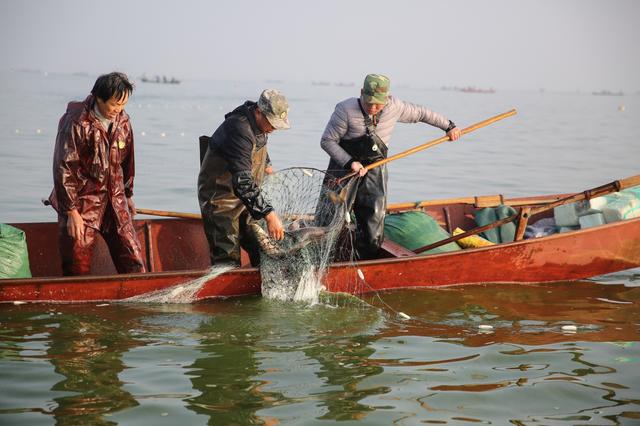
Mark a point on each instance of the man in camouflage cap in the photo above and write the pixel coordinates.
(231, 171)
(357, 135)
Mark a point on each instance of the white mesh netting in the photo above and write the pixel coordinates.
(313, 216)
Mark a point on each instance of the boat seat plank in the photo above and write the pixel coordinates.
(394, 249)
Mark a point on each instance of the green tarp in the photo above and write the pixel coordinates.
(502, 234)
(415, 229)
(14, 257)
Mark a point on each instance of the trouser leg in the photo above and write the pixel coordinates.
(369, 208)
(75, 254)
(248, 239)
(124, 246)
(222, 230)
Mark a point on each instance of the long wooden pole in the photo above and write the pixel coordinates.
(579, 196)
(165, 213)
(434, 142)
(547, 203)
(480, 201)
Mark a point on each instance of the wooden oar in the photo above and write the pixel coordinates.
(168, 214)
(429, 144)
(608, 188)
(478, 201)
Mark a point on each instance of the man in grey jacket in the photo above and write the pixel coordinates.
(357, 135)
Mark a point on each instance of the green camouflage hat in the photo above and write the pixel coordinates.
(275, 108)
(376, 89)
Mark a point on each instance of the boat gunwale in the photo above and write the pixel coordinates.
(197, 273)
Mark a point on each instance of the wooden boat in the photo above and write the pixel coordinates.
(176, 252)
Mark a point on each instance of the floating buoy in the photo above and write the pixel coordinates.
(143, 133)
(163, 134)
(38, 131)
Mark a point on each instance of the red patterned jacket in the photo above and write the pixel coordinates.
(93, 170)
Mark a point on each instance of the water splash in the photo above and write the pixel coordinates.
(181, 293)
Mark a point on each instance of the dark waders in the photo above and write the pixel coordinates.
(225, 218)
(369, 199)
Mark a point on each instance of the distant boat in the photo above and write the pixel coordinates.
(608, 93)
(158, 79)
(473, 89)
(468, 89)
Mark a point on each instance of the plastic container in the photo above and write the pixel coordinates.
(567, 214)
(564, 229)
(591, 220)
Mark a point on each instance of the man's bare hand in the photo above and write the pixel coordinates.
(131, 205)
(274, 226)
(454, 134)
(75, 224)
(358, 168)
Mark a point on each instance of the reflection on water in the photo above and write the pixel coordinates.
(253, 361)
(87, 355)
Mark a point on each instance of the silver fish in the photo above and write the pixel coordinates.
(299, 237)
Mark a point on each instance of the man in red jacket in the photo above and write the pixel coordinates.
(93, 171)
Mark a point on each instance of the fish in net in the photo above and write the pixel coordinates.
(313, 213)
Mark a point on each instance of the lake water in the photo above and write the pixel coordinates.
(253, 361)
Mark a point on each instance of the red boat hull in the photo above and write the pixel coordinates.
(176, 252)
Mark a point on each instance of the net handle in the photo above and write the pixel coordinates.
(432, 143)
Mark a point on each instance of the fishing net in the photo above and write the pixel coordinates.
(181, 293)
(313, 212)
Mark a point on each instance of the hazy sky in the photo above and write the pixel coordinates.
(505, 44)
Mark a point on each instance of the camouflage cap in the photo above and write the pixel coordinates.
(275, 108)
(376, 89)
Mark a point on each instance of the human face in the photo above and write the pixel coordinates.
(372, 109)
(263, 123)
(112, 107)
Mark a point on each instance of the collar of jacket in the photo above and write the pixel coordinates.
(247, 109)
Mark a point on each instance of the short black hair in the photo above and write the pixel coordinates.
(113, 84)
